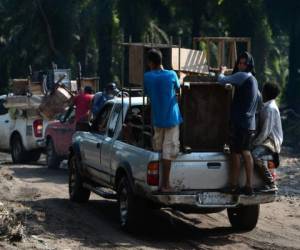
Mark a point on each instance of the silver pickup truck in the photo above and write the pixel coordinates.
(114, 159)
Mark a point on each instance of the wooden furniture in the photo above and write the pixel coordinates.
(178, 59)
(90, 81)
(227, 49)
(205, 108)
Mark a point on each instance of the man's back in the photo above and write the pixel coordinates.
(270, 126)
(161, 86)
(83, 104)
(245, 103)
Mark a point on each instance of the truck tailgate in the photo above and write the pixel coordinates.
(203, 171)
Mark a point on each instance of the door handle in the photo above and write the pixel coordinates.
(214, 165)
(98, 145)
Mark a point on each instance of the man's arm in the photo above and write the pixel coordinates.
(176, 81)
(236, 79)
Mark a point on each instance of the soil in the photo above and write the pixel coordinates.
(35, 213)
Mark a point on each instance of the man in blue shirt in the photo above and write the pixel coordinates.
(161, 86)
(100, 98)
(243, 110)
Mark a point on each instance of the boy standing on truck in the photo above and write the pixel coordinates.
(243, 110)
(270, 136)
(161, 86)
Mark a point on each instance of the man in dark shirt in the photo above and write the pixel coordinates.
(242, 118)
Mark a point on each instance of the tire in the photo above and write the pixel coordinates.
(34, 155)
(77, 192)
(18, 153)
(243, 218)
(130, 207)
(52, 159)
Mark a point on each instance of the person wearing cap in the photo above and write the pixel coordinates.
(83, 101)
(100, 98)
(243, 123)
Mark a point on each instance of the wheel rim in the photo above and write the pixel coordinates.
(72, 176)
(17, 148)
(123, 206)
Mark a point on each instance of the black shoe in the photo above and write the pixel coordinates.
(248, 191)
(231, 190)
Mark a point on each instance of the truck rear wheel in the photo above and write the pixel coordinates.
(53, 160)
(243, 218)
(18, 153)
(77, 192)
(130, 206)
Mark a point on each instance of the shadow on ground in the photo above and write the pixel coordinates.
(95, 224)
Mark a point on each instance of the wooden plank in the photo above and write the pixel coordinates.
(93, 82)
(193, 61)
(36, 88)
(20, 86)
(227, 39)
(136, 64)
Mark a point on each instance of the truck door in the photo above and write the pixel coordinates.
(93, 143)
(106, 147)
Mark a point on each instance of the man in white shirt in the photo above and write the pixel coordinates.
(270, 136)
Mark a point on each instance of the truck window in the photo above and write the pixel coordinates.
(114, 120)
(3, 110)
(133, 130)
(100, 123)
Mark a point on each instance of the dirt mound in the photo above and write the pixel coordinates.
(11, 227)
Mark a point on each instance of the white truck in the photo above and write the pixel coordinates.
(21, 133)
(114, 159)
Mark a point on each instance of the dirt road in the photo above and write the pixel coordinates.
(38, 198)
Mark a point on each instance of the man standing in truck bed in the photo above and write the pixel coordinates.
(243, 110)
(160, 87)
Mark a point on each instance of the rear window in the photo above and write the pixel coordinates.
(137, 130)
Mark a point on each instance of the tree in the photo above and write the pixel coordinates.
(285, 18)
(248, 19)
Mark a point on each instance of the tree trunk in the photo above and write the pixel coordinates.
(293, 86)
(105, 26)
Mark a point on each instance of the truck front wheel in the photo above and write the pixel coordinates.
(76, 190)
(243, 218)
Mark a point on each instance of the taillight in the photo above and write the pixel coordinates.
(153, 173)
(38, 128)
(271, 165)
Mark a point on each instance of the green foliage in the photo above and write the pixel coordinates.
(39, 32)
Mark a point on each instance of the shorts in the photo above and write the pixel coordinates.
(241, 140)
(166, 140)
